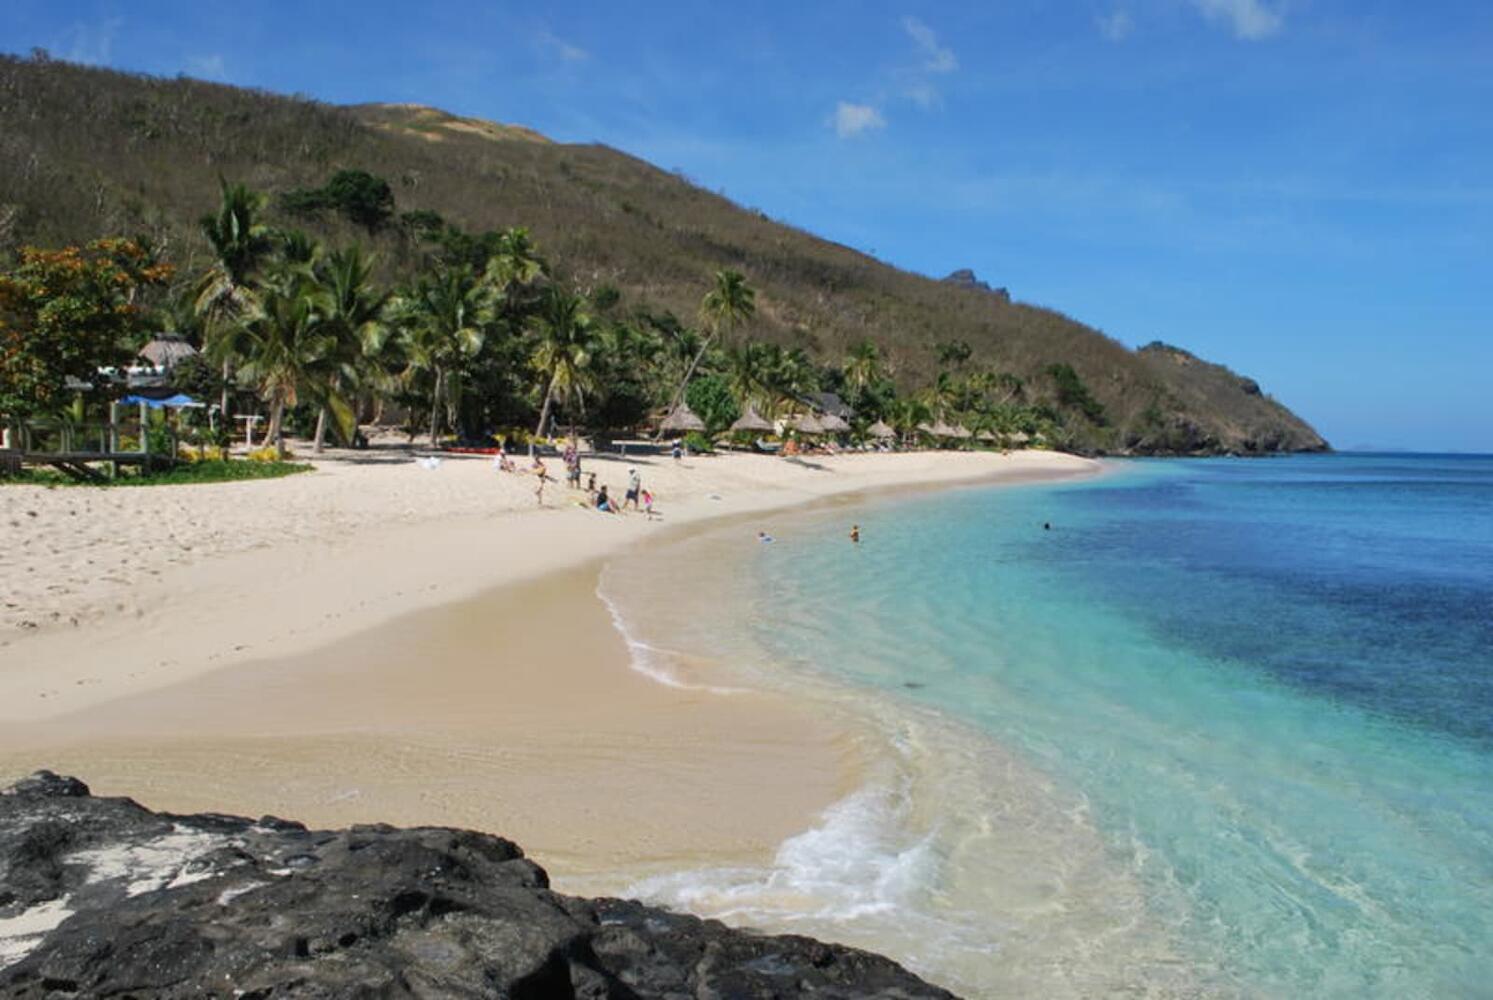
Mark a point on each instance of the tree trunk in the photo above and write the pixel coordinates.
(689, 374)
(275, 434)
(435, 406)
(544, 411)
(321, 429)
(226, 397)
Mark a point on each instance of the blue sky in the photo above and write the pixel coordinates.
(1300, 189)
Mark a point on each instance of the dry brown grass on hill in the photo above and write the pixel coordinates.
(86, 152)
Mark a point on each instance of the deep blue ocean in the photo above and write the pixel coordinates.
(1256, 697)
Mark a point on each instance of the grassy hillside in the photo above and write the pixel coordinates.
(86, 152)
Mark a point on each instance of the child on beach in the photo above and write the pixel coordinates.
(648, 504)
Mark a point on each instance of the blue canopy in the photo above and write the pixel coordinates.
(180, 401)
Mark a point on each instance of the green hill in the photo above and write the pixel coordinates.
(86, 152)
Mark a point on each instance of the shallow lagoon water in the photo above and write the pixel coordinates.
(1226, 728)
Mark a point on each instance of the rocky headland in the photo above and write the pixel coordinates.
(101, 897)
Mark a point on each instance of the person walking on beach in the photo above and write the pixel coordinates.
(634, 488)
(678, 451)
(544, 476)
(648, 504)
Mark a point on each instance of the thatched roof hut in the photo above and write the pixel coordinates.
(682, 420)
(167, 351)
(808, 424)
(833, 424)
(751, 420)
(942, 430)
(961, 432)
(881, 429)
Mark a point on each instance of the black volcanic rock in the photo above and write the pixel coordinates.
(100, 897)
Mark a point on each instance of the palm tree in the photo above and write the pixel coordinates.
(906, 414)
(445, 317)
(864, 367)
(562, 353)
(241, 244)
(516, 260)
(751, 370)
(355, 318)
(285, 345)
(729, 303)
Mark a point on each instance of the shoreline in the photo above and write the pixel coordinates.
(279, 674)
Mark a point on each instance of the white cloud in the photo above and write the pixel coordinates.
(850, 120)
(936, 58)
(93, 43)
(208, 67)
(560, 47)
(923, 94)
(1117, 25)
(1250, 20)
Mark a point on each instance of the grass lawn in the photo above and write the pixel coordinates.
(185, 472)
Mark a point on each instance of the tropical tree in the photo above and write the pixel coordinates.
(241, 244)
(356, 320)
(864, 367)
(285, 345)
(730, 302)
(445, 318)
(65, 314)
(564, 344)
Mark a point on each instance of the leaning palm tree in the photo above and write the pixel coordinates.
(241, 245)
(730, 302)
(563, 348)
(445, 318)
(356, 320)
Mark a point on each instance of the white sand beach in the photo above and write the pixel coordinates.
(267, 647)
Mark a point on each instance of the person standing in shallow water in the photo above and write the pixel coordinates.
(855, 533)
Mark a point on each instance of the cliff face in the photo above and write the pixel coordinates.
(1242, 419)
(101, 897)
(87, 152)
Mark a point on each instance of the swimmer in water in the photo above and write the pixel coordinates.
(763, 537)
(855, 533)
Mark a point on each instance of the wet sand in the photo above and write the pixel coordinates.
(512, 712)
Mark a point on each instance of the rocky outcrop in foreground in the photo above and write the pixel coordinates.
(100, 897)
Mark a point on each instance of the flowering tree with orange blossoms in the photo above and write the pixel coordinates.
(66, 314)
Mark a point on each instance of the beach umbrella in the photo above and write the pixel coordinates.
(682, 420)
(880, 429)
(833, 424)
(751, 420)
(808, 424)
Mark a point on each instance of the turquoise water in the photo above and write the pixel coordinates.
(1240, 710)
